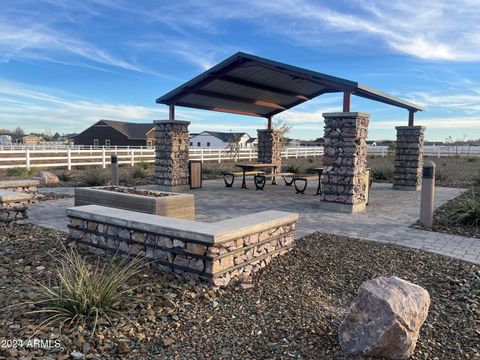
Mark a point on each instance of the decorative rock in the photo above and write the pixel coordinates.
(123, 347)
(46, 178)
(385, 319)
(77, 355)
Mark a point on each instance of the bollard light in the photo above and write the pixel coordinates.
(114, 163)
(428, 194)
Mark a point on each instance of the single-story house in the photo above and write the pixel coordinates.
(117, 133)
(30, 139)
(220, 140)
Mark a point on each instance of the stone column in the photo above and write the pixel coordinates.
(270, 147)
(409, 158)
(171, 154)
(344, 180)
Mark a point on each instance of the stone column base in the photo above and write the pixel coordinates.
(172, 188)
(409, 158)
(343, 208)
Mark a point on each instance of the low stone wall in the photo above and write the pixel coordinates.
(217, 253)
(25, 186)
(13, 207)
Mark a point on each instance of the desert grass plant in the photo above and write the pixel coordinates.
(466, 210)
(21, 172)
(139, 172)
(81, 293)
(144, 165)
(383, 174)
(95, 177)
(65, 176)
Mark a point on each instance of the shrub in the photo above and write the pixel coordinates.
(310, 160)
(95, 177)
(472, 159)
(466, 210)
(213, 169)
(144, 165)
(83, 292)
(21, 172)
(311, 170)
(383, 174)
(292, 169)
(65, 176)
(139, 172)
(440, 175)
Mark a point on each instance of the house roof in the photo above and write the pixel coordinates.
(251, 85)
(224, 136)
(129, 129)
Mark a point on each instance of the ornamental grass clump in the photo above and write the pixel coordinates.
(95, 177)
(467, 210)
(83, 292)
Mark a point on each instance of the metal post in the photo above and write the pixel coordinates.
(171, 112)
(114, 163)
(428, 194)
(411, 117)
(347, 101)
(269, 124)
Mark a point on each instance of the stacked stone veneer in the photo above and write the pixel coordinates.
(409, 158)
(29, 187)
(171, 153)
(217, 253)
(344, 180)
(13, 207)
(270, 147)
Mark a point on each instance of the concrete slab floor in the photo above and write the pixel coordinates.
(387, 218)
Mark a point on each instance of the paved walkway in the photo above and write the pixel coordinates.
(387, 218)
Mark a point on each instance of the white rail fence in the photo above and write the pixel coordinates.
(72, 157)
(437, 151)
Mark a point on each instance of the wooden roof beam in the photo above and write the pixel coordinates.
(217, 108)
(240, 99)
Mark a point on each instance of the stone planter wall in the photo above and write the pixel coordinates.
(270, 147)
(217, 253)
(171, 154)
(24, 186)
(409, 158)
(175, 205)
(344, 180)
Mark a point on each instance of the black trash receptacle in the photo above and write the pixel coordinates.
(195, 174)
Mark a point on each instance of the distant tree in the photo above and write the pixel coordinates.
(19, 131)
(283, 128)
(234, 145)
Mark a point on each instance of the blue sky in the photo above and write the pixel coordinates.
(65, 64)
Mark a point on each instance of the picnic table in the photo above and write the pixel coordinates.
(254, 166)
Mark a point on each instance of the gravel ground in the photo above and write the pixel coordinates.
(293, 311)
(47, 196)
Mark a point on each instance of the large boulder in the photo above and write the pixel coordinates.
(47, 178)
(385, 319)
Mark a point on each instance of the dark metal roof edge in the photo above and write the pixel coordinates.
(374, 94)
(198, 78)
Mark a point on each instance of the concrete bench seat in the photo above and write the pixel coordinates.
(13, 207)
(216, 252)
(27, 186)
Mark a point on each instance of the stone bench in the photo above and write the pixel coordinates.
(217, 252)
(13, 207)
(27, 186)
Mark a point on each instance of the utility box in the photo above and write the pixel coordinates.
(195, 174)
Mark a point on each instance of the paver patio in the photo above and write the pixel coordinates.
(387, 218)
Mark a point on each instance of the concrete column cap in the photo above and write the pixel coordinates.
(346, 114)
(171, 122)
(416, 127)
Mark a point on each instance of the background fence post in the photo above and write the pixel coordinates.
(132, 157)
(103, 157)
(201, 155)
(69, 159)
(27, 158)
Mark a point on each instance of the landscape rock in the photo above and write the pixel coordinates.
(46, 178)
(385, 319)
